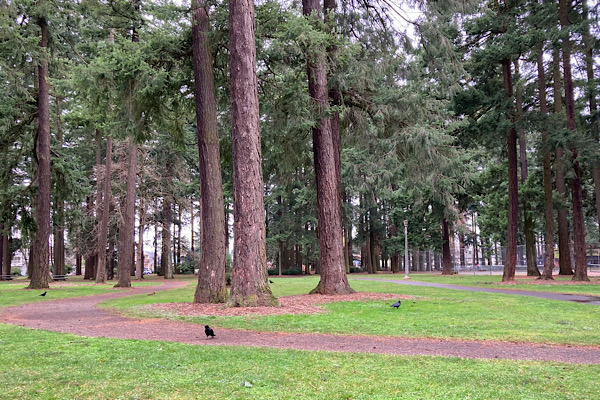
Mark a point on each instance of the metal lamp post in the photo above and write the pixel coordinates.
(406, 250)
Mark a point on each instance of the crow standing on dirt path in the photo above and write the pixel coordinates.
(209, 332)
(396, 304)
(43, 294)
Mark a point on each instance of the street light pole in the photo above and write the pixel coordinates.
(406, 250)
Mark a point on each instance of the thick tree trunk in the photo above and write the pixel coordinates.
(547, 166)
(446, 256)
(211, 272)
(513, 192)
(40, 273)
(564, 243)
(104, 212)
(532, 269)
(333, 273)
(576, 192)
(127, 228)
(249, 275)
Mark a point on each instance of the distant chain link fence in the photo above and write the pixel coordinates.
(489, 260)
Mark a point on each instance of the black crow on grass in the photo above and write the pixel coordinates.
(270, 281)
(209, 332)
(43, 294)
(396, 304)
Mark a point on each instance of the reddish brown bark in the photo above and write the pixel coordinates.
(564, 244)
(513, 192)
(333, 273)
(547, 166)
(576, 193)
(211, 272)
(40, 272)
(446, 256)
(249, 275)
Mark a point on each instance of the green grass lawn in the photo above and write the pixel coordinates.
(492, 281)
(433, 313)
(47, 365)
(14, 293)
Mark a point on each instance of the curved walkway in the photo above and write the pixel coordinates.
(578, 298)
(81, 316)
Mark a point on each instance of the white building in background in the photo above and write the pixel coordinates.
(19, 261)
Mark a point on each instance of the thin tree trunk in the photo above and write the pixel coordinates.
(564, 245)
(532, 269)
(249, 285)
(40, 273)
(192, 218)
(513, 191)
(127, 228)
(547, 166)
(78, 260)
(104, 211)
(576, 192)
(5, 254)
(333, 273)
(589, 42)
(166, 265)
(111, 258)
(2, 251)
(155, 261)
(139, 271)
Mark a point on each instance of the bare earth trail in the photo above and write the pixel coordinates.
(81, 316)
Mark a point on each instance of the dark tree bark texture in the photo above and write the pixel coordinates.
(547, 167)
(249, 285)
(564, 243)
(446, 256)
(105, 215)
(211, 286)
(40, 273)
(513, 194)
(126, 230)
(333, 273)
(576, 193)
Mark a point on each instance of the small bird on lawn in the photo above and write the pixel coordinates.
(209, 332)
(270, 281)
(396, 304)
(43, 294)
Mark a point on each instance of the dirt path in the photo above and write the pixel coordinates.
(81, 316)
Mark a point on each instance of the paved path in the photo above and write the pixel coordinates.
(81, 316)
(578, 298)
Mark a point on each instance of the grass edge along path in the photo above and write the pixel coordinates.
(434, 313)
(37, 364)
(82, 317)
